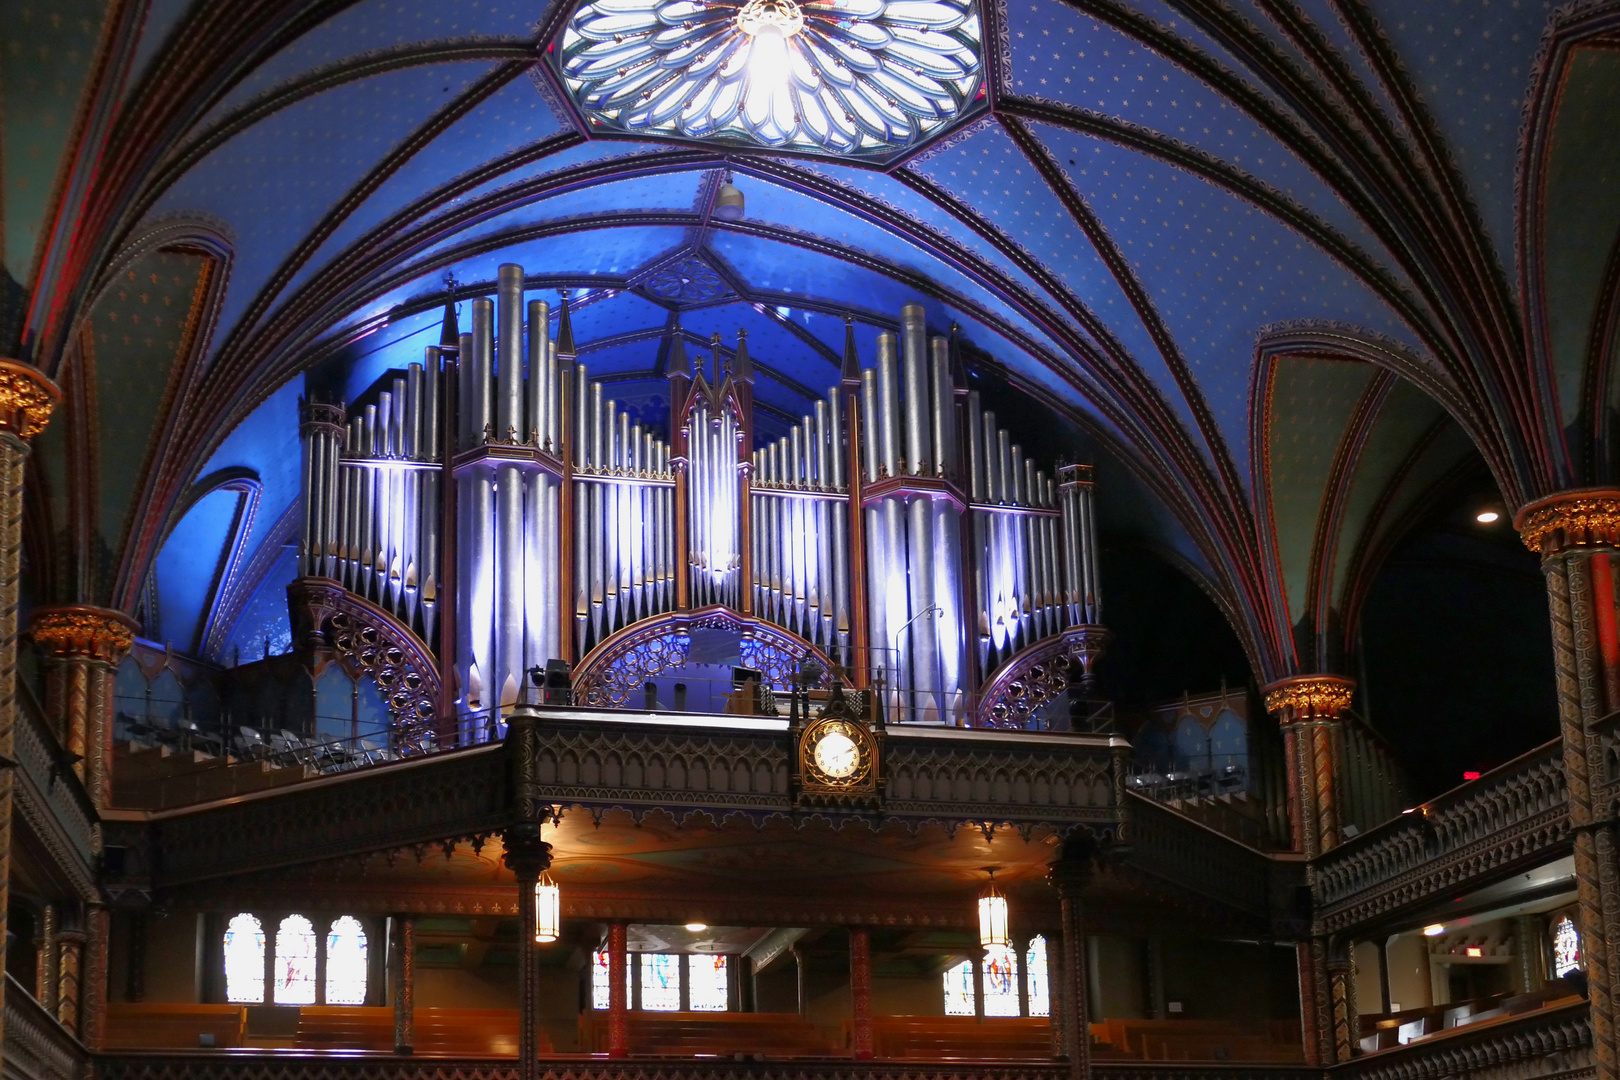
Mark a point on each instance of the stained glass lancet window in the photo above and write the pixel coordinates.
(959, 989)
(705, 982)
(1566, 947)
(843, 77)
(599, 978)
(1040, 1001)
(660, 982)
(244, 960)
(295, 962)
(1000, 981)
(346, 962)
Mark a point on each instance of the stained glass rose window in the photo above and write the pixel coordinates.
(844, 77)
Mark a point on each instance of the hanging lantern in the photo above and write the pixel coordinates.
(992, 914)
(547, 910)
(728, 202)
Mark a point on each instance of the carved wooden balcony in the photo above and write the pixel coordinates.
(37, 1047)
(50, 799)
(600, 761)
(282, 1066)
(1511, 818)
(1554, 1041)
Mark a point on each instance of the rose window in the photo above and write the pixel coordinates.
(855, 77)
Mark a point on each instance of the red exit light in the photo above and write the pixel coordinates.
(1470, 775)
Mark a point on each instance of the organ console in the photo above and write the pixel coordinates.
(897, 530)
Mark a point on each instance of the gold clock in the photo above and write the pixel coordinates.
(836, 755)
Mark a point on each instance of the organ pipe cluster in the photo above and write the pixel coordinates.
(624, 513)
(896, 526)
(371, 498)
(801, 530)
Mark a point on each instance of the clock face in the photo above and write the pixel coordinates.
(837, 755)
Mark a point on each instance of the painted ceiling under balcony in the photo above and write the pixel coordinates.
(1285, 268)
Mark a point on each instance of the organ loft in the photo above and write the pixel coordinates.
(567, 539)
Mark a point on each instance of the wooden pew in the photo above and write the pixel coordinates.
(1201, 1040)
(724, 1034)
(439, 1032)
(471, 1032)
(935, 1038)
(164, 1025)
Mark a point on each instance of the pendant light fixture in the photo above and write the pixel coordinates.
(547, 910)
(992, 913)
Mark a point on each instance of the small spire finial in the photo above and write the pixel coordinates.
(850, 373)
(565, 329)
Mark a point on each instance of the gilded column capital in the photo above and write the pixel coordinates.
(83, 632)
(26, 399)
(1584, 517)
(1309, 697)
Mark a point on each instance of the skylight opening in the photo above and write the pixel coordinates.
(840, 77)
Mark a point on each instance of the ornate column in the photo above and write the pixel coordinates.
(618, 991)
(1343, 1016)
(26, 400)
(527, 857)
(860, 993)
(1576, 533)
(405, 983)
(93, 988)
(69, 955)
(1315, 1004)
(1070, 873)
(1307, 708)
(45, 961)
(85, 645)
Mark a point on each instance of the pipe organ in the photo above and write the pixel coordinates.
(896, 527)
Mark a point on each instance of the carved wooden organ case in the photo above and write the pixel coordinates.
(497, 508)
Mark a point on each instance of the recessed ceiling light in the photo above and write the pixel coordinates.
(1487, 517)
(1434, 930)
(697, 927)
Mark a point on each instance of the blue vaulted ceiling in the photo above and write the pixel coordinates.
(1161, 194)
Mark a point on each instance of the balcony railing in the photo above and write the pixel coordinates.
(37, 1047)
(1561, 1037)
(1511, 817)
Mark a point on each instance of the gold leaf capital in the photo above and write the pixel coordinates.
(26, 399)
(81, 632)
(1310, 697)
(1584, 518)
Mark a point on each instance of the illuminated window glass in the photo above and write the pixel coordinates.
(1566, 947)
(295, 962)
(599, 978)
(660, 982)
(852, 77)
(706, 983)
(1040, 1001)
(346, 962)
(959, 989)
(1000, 981)
(244, 961)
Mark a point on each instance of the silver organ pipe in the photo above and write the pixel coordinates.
(533, 430)
(715, 569)
(623, 489)
(476, 617)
